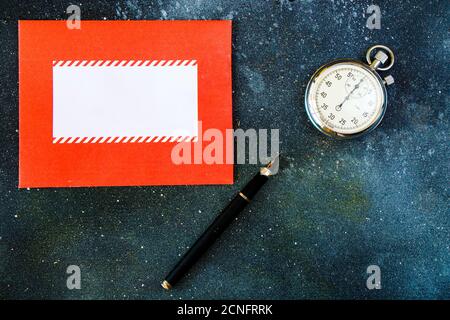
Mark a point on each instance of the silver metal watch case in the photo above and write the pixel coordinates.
(310, 92)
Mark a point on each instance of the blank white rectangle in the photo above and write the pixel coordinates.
(148, 99)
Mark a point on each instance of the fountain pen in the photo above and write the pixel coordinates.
(222, 221)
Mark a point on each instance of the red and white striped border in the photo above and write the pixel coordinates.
(124, 63)
(129, 139)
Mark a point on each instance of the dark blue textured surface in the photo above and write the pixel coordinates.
(335, 208)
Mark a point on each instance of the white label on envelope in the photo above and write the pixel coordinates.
(124, 101)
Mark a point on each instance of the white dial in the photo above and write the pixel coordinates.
(345, 98)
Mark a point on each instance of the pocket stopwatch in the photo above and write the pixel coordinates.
(347, 98)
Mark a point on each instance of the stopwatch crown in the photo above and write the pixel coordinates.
(381, 56)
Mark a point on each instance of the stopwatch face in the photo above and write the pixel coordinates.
(345, 99)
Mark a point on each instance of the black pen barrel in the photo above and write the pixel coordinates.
(222, 221)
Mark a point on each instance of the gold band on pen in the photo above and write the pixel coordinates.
(166, 285)
(244, 197)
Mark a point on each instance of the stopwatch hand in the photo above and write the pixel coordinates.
(351, 92)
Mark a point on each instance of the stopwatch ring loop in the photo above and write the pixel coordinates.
(389, 51)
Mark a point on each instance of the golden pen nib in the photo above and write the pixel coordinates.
(271, 168)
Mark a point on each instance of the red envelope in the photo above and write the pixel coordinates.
(105, 105)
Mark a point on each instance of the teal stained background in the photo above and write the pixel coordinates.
(335, 208)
